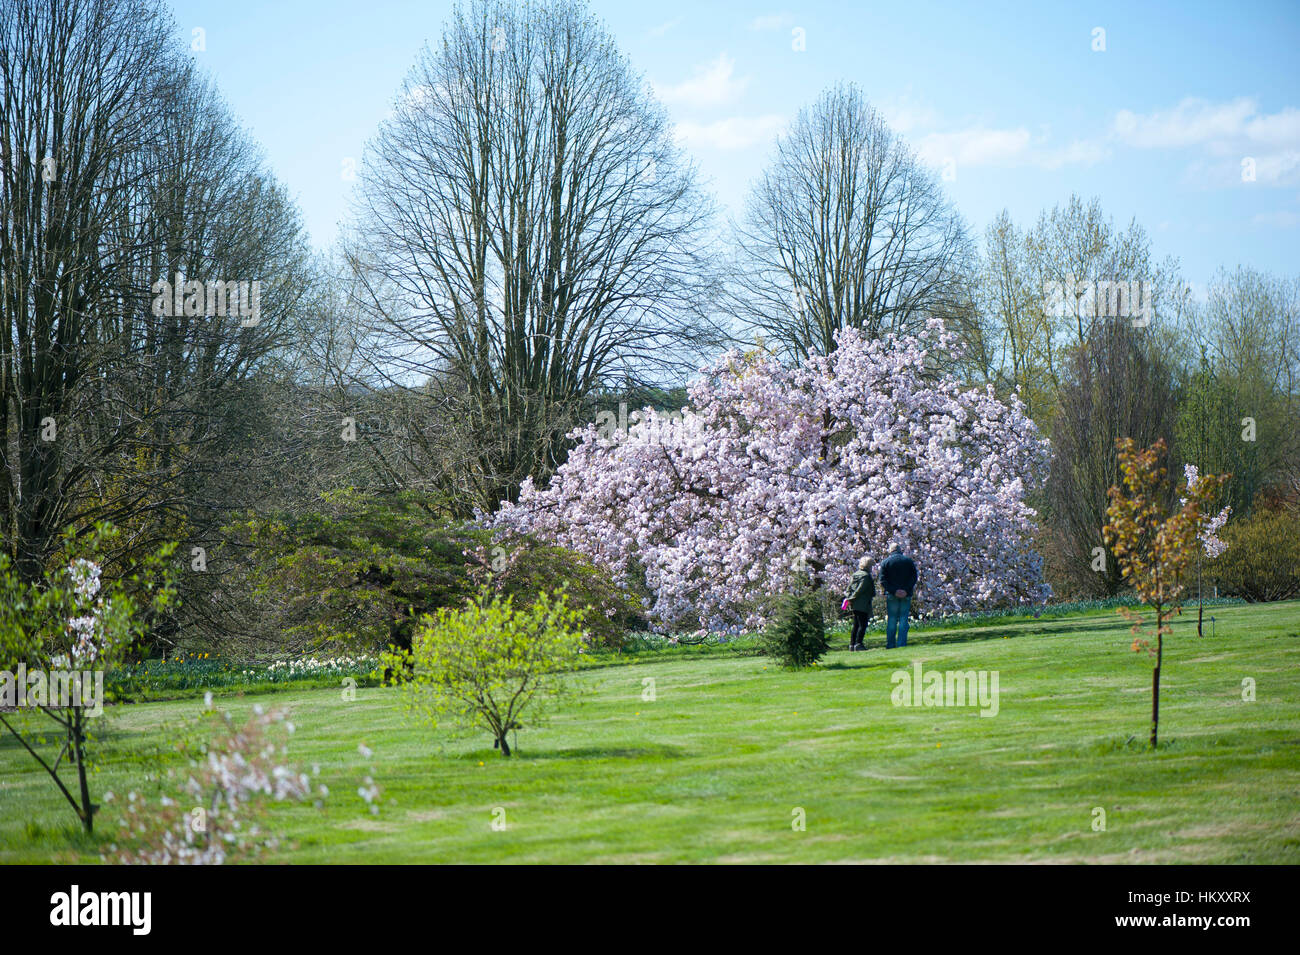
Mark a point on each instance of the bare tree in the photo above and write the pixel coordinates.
(1118, 385)
(79, 83)
(1017, 329)
(527, 233)
(1041, 290)
(123, 170)
(846, 229)
(1076, 249)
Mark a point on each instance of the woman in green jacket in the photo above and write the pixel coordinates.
(862, 590)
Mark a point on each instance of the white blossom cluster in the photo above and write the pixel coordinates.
(208, 820)
(1210, 527)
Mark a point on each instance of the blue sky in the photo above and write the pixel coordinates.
(1012, 99)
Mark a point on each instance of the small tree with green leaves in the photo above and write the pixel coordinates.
(60, 628)
(488, 663)
(1157, 543)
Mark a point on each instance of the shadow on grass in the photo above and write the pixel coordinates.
(585, 752)
(1046, 628)
(876, 661)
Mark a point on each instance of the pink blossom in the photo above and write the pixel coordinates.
(779, 474)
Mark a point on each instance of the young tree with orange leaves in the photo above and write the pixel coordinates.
(1156, 544)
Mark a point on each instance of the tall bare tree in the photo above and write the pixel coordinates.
(1242, 413)
(122, 168)
(846, 229)
(1118, 385)
(79, 83)
(1075, 247)
(527, 234)
(1017, 328)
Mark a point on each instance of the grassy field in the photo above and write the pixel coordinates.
(716, 767)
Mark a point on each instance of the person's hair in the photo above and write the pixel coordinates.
(864, 563)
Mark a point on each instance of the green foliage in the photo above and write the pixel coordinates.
(487, 664)
(1262, 561)
(796, 635)
(363, 569)
(524, 567)
(358, 569)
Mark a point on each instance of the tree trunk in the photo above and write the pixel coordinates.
(503, 745)
(78, 740)
(1200, 597)
(1155, 682)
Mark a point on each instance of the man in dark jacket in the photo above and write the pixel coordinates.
(862, 590)
(898, 580)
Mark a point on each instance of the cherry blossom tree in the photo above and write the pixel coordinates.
(775, 478)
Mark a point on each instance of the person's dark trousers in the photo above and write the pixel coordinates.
(860, 621)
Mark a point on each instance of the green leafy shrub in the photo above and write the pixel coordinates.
(796, 634)
(487, 664)
(1262, 561)
(524, 567)
(363, 569)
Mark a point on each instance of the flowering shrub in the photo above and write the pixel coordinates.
(211, 818)
(1208, 527)
(776, 478)
(73, 621)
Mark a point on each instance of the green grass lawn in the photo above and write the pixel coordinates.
(715, 767)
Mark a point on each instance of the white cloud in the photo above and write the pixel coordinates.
(771, 21)
(1083, 152)
(1192, 122)
(1227, 134)
(1280, 129)
(1271, 169)
(982, 145)
(906, 114)
(663, 28)
(712, 85)
(735, 132)
(1006, 148)
(1224, 134)
(975, 147)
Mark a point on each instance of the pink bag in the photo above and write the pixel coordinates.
(845, 605)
